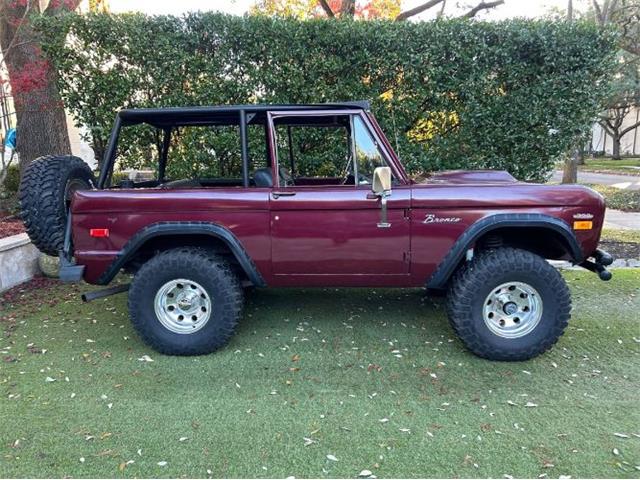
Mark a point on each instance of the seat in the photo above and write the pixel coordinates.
(263, 178)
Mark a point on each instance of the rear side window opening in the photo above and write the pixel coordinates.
(188, 156)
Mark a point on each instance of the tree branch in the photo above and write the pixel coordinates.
(7, 51)
(598, 10)
(416, 10)
(629, 128)
(57, 6)
(441, 12)
(605, 127)
(327, 9)
(482, 6)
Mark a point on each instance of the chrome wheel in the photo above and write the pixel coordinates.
(182, 306)
(512, 310)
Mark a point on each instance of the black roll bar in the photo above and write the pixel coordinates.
(244, 148)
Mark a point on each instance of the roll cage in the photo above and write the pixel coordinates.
(166, 119)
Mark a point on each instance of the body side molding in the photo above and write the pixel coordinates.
(160, 229)
(501, 220)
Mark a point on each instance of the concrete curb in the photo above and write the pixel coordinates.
(617, 263)
(18, 260)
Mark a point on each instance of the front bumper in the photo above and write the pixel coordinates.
(600, 260)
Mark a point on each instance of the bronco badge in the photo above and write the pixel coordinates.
(431, 218)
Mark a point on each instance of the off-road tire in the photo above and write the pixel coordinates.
(45, 190)
(213, 273)
(476, 280)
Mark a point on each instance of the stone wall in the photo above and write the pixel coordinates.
(18, 260)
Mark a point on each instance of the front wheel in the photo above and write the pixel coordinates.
(185, 301)
(508, 304)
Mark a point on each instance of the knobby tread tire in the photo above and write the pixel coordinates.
(42, 198)
(472, 283)
(219, 280)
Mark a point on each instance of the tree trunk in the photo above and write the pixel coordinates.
(348, 9)
(615, 149)
(41, 125)
(570, 173)
(581, 155)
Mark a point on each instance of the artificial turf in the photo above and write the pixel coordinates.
(318, 383)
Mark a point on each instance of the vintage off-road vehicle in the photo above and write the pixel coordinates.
(306, 196)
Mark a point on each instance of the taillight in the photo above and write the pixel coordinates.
(99, 232)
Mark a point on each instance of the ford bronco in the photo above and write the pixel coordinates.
(305, 196)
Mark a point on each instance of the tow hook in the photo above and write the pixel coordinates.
(89, 296)
(601, 260)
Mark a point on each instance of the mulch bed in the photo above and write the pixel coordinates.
(25, 290)
(10, 226)
(625, 250)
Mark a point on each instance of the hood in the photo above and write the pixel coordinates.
(474, 177)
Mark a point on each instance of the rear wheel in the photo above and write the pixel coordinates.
(46, 189)
(185, 301)
(508, 304)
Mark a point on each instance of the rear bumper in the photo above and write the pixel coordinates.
(598, 262)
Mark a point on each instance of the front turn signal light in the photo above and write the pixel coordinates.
(583, 225)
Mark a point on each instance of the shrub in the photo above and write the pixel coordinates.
(449, 93)
(12, 180)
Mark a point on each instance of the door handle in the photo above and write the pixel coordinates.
(276, 195)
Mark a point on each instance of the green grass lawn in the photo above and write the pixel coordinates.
(612, 166)
(374, 378)
(632, 236)
(625, 200)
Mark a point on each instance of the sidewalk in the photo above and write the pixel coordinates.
(620, 220)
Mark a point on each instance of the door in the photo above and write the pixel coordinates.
(325, 222)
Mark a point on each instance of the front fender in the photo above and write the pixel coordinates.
(486, 224)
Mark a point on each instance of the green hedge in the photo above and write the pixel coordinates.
(450, 93)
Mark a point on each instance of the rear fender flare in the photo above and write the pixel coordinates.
(183, 228)
(486, 224)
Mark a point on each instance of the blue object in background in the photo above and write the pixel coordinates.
(10, 141)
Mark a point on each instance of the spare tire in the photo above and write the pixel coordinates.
(46, 189)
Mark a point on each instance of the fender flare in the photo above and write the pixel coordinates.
(486, 224)
(161, 229)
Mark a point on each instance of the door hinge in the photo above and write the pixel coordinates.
(407, 213)
(406, 257)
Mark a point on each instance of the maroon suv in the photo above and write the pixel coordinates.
(306, 196)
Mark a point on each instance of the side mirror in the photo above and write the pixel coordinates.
(381, 181)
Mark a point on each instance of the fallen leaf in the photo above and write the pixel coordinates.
(365, 473)
(332, 458)
(145, 358)
(162, 464)
(49, 379)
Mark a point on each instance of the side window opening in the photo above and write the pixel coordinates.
(367, 153)
(198, 156)
(314, 151)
